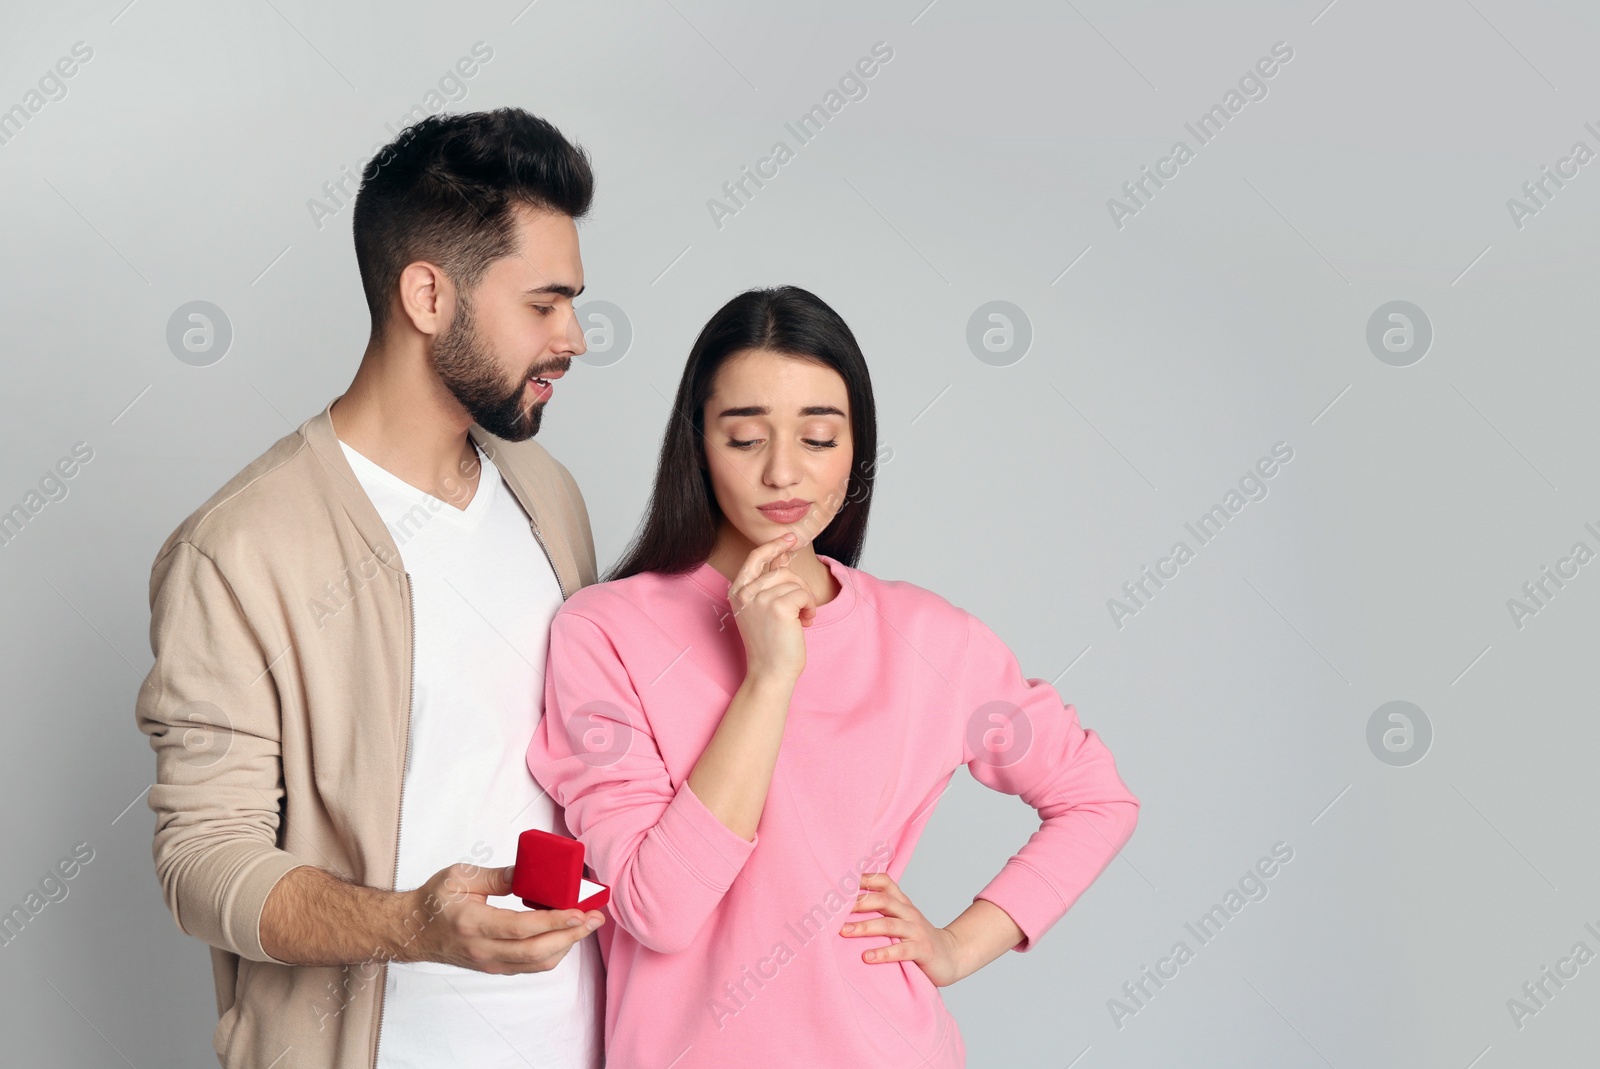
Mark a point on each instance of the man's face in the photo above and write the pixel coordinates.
(517, 331)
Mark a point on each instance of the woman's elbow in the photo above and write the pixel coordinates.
(1124, 817)
(659, 934)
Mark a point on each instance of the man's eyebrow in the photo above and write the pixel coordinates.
(763, 410)
(556, 288)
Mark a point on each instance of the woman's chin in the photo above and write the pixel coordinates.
(760, 532)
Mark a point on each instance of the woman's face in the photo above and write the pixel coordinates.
(777, 430)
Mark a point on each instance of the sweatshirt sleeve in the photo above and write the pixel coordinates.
(1022, 740)
(211, 712)
(667, 859)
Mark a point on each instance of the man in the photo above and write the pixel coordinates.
(349, 640)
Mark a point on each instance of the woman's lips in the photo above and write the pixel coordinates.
(783, 512)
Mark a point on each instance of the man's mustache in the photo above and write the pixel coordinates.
(540, 372)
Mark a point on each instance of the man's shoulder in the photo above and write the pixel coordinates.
(266, 494)
(553, 498)
(530, 459)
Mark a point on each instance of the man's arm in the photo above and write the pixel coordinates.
(212, 714)
(314, 918)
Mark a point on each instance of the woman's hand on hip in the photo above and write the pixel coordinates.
(937, 951)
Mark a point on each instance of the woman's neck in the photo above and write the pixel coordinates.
(732, 549)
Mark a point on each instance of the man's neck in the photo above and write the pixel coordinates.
(398, 415)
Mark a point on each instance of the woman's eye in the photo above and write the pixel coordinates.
(831, 443)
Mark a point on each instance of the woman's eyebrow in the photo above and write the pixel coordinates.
(763, 410)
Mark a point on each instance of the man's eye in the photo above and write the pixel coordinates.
(544, 309)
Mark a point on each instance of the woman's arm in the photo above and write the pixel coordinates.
(1020, 739)
(769, 604)
(669, 854)
(1023, 740)
(734, 772)
(667, 859)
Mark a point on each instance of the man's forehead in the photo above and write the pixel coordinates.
(546, 258)
(535, 222)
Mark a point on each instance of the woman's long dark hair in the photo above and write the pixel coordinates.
(680, 528)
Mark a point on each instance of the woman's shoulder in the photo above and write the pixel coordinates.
(654, 595)
(902, 596)
(923, 616)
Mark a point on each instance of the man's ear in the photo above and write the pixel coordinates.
(427, 297)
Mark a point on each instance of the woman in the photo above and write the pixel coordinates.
(748, 733)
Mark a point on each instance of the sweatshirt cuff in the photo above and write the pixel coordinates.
(1028, 898)
(245, 896)
(709, 849)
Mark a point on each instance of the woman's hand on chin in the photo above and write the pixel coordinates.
(937, 951)
(771, 605)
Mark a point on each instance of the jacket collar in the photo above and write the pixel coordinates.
(319, 435)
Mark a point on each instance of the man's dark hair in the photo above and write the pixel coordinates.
(444, 189)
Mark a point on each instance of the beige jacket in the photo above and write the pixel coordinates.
(279, 711)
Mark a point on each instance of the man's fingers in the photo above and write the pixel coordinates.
(499, 966)
(540, 949)
(534, 952)
(464, 879)
(516, 924)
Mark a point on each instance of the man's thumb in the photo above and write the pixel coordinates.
(476, 880)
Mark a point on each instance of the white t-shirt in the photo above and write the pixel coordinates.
(483, 594)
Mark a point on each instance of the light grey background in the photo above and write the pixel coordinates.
(1228, 315)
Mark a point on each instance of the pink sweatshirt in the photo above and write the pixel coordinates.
(722, 951)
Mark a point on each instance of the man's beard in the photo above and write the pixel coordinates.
(471, 375)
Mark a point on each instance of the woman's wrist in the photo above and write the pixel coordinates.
(981, 934)
(769, 683)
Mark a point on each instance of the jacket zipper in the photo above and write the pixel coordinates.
(411, 690)
(537, 537)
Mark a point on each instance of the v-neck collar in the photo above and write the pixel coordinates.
(535, 493)
(482, 497)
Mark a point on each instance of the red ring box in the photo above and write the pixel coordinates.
(549, 874)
